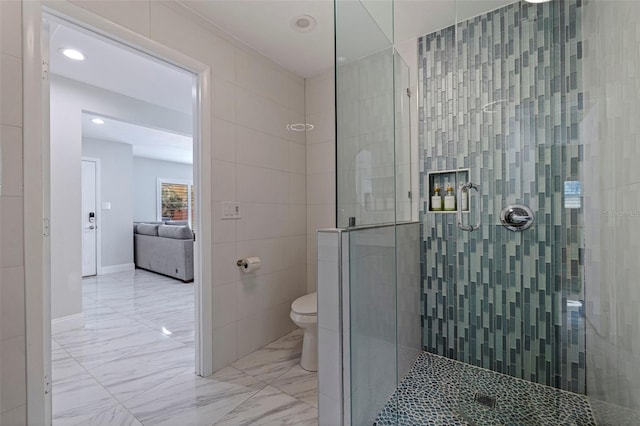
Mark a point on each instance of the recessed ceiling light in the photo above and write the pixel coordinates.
(97, 121)
(74, 54)
(537, 1)
(303, 23)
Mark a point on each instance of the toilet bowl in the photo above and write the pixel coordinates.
(304, 313)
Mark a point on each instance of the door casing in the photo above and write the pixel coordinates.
(36, 143)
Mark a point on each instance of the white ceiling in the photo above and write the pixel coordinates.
(261, 24)
(265, 25)
(147, 142)
(116, 68)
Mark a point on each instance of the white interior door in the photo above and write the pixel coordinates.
(89, 224)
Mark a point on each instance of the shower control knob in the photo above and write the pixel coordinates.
(516, 217)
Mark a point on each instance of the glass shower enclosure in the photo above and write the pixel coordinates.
(501, 288)
(375, 202)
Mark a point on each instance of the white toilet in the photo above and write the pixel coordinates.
(304, 313)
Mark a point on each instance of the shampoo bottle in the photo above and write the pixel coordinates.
(465, 200)
(450, 199)
(436, 199)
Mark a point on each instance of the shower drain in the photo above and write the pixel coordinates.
(487, 400)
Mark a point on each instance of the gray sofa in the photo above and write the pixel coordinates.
(165, 249)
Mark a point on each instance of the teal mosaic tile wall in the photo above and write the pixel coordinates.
(501, 95)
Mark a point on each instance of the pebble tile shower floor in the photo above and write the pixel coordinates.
(441, 391)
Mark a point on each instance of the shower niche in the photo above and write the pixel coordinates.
(440, 181)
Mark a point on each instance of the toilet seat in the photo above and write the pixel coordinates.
(304, 313)
(303, 320)
(306, 305)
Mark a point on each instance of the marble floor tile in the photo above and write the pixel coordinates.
(63, 365)
(103, 327)
(78, 398)
(152, 365)
(99, 350)
(187, 338)
(189, 399)
(115, 416)
(133, 364)
(124, 355)
(96, 312)
(300, 384)
(275, 359)
(173, 322)
(271, 407)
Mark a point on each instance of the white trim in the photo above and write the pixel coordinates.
(112, 269)
(37, 193)
(203, 245)
(70, 322)
(173, 180)
(98, 212)
(37, 248)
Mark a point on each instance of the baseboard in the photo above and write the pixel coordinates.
(69, 322)
(117, 268)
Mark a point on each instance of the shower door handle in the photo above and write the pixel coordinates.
(468, 186)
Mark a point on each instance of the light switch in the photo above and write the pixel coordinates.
(230, 210)
(106, 205)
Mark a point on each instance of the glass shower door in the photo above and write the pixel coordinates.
(366, 200)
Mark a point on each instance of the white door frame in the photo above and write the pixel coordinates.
(37, 191)
(98, 212)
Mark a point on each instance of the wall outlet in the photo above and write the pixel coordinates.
(231, 210)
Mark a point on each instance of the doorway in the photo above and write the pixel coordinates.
(39, 251)
(89, 181)
(125, 324)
